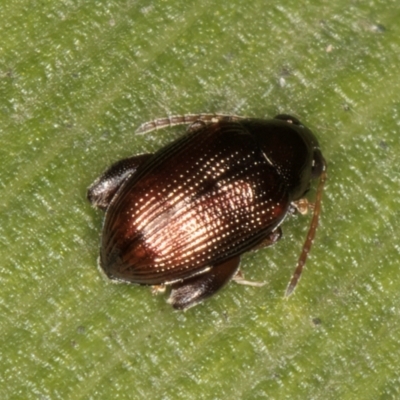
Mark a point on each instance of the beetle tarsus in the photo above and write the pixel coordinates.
(239, 278)
(186, 119)
(158, 289)
(302, 206)
(270, 240)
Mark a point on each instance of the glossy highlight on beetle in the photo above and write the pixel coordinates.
(182, 216)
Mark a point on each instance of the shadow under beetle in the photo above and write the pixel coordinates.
(183, 216)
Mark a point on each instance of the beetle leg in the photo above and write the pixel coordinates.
(196, 125)
(239, 278)
(157, 289)
(103, 189)
(191, 291)
(270, 240)
(187, 119)
(302, 206)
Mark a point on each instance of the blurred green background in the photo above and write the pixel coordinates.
(77, 78)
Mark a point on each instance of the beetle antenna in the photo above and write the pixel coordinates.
(187, 119)
(310, 236)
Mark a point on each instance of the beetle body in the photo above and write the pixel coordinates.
(183, 215)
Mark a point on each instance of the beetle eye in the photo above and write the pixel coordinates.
(318, 164)
(289, 119)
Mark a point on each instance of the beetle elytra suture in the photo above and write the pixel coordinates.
(183, 216)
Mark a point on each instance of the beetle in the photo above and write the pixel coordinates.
(182, 217)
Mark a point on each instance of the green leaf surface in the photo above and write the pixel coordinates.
(77, 78)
